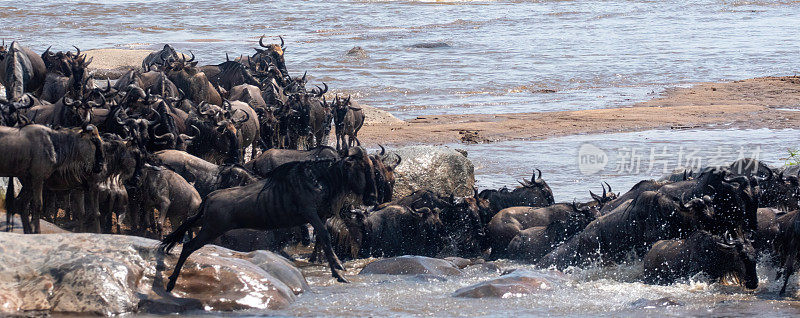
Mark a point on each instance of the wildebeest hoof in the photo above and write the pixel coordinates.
(341, 279)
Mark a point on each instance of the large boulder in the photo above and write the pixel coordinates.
(516, 283)
(411, 265)
(115, 274)
(443, 170)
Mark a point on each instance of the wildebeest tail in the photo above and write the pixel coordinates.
(176, 236)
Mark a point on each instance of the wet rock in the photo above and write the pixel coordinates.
(357, 52)
(484, 268)
(427, 278)
(656, 303)
(115, 274)
(431, 45)
(411, 265)
(443, 170)
(459, 262)
(16, 226)
(516, 283)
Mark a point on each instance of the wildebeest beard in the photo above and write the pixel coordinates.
(76, 157)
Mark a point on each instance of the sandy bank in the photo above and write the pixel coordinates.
(751, 103)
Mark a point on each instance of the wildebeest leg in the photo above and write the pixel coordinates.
(21, 207)
(163, 210)
(324, 238)
(789, 266)
(205, 236)
(92, 198)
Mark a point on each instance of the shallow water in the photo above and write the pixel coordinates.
(629, 156)
(501, 56)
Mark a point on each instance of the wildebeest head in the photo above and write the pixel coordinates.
(786, 192)
(538, 187)
(90, 133)
(160, 58)
(10, 114)
(358, 171)
(234, 176)
(432, 230)
(605, 198)
(726, 256)
(384, 174)
(271, 54)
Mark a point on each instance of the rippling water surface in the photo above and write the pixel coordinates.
(500, 56)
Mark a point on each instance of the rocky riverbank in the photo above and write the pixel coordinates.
(114, 274)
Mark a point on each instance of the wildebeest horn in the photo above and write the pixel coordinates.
(304, 76)
(261, 42)
(609, 187)
(78, 53)
(737, 179)
(604, 191)
(191, 59)
(158, 118)
(227, 58)
(383, 150)
(43, 54)
(246, 118)
(399, 160)
(321, 91)
(280, 37)
(116, 116)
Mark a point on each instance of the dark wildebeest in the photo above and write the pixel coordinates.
(348, 120)
(393, 230)
(205, 176)
(272, 55)
(535, 193)
(272, 158)
(635, 191)
(533, 243)
(186, 77)
(21, 71)
(291, 195)
(73, 79)
(735, 199)
(778, 190)
(248, 94)
(651, 217)
(34, 153)
(160, 58)
(461, 218)
(229, 74)
(245, 119)
(509, 222)
(670, 260)
(787, 245)
(11, 112)
(165, 191)
(216, 140)
(384, 174)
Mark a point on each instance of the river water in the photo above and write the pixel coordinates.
(500, 56)
(434, 57)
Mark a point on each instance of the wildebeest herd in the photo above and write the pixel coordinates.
(169, 142)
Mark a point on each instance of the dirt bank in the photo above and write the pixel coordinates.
(751, 103)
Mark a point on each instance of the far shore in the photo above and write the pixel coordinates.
(765, 102)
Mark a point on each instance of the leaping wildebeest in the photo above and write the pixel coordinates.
(293, 194)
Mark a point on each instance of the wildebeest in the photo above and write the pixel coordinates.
(348, 120)
(777, 189)
(185, 75)
(164, 190)
(509, 222)
(384, 174)
(34, 153)
(272, 158)
(735, 198)
(393, 230)
(205, 176)
(216, 141)
(72, 80)
(651, 217)
(533, 243)
(291, 195)
(160, 58)
(669, 260)
(535, 193)
(21, 71)
(638, 188)
(787, 245)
